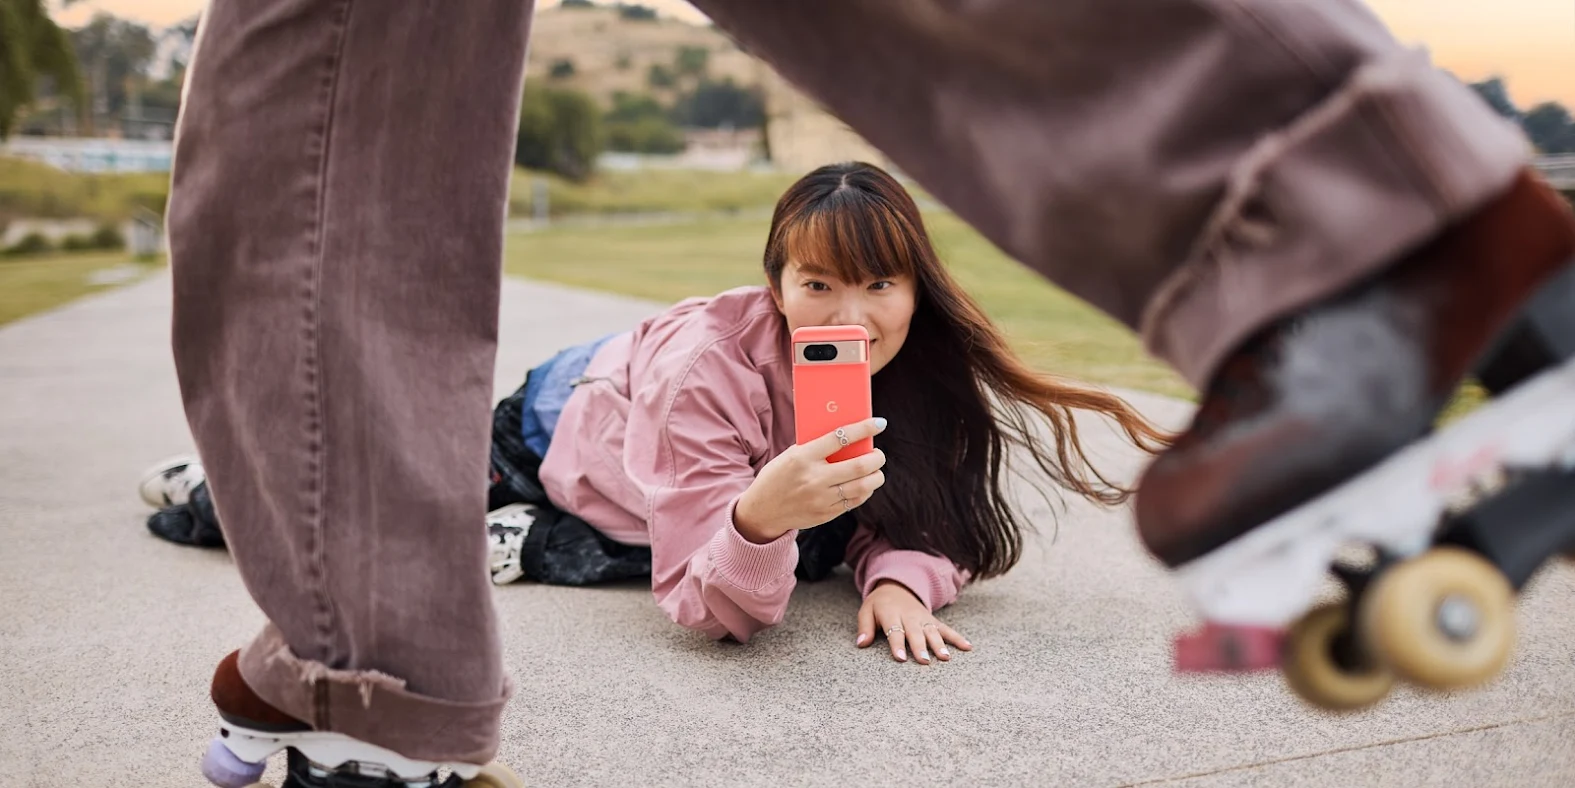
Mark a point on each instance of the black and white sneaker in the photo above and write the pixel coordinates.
(506, 529)
(170, 482)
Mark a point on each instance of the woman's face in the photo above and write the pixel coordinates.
(884, 307)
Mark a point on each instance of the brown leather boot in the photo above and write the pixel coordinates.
(1320, 397)
(241, 707)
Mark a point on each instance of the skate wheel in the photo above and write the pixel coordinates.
(1316, 676)
(226, 770)
(495, 775)
(1444, 620)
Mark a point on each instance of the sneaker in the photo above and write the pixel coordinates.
(1323, 396)
(170, 482)
(506, 530)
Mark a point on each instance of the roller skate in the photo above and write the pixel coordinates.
(506, 530)
(1318, 440)
(252, 731)
(170, 482)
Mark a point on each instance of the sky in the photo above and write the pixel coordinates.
(1531, 43)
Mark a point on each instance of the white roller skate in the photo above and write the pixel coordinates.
(170, 482)
(238, 756)
(506, 530)
(1459, 521)
(237, 759)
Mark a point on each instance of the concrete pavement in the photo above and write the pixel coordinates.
(108, 635)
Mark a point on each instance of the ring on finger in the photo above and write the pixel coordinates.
(842, 436)
(894, 630)
(931, 625)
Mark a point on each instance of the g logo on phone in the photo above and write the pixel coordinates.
(831, 406)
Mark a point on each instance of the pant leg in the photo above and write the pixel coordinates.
(1194, 168)
(335, 224)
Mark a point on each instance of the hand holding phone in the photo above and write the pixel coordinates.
(835, 467)
(800, 488)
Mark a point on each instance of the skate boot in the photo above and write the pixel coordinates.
(252, 730)
(193, 523)
(170, 482)
(506, 530)
(1319, 434)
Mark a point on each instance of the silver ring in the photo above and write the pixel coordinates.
(931, 624)
(842, 436)
(890, 630)
(841, 494)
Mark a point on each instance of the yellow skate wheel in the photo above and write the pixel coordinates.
(1317, 677)
(1443, 620)
(495, 775)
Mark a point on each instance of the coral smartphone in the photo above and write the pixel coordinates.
(831, 384)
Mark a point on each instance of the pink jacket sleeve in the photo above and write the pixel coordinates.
(936, 581)
(704, 575)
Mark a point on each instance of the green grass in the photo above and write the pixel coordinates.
(1053, 331)
(29, 285)
(32, 190)
(651, 191)
(37, 191)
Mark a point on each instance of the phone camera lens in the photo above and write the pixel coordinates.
(820, 352)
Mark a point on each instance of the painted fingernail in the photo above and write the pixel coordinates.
(859, 641)
(944, 652)
(902, 656)
(924, 656)
(880, 423)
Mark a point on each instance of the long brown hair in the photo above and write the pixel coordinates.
(957, 400)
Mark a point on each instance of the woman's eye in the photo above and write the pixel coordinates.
(817, 286)
(882, 285)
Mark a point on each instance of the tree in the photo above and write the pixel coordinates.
(115, 55)
(562, 68)
(32, 46)
(660, 76)
(691, 61)
(640, 124)
(1550, 128)
(713, 104)
(560, 131)
(1496, 95)
(628, 107)
(1548, 125)
(636, 13)
(646, 135)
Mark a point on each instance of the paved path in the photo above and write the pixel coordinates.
(108, 635)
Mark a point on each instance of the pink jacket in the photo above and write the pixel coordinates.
(655, 448)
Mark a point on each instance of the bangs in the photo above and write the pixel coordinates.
(854, 240)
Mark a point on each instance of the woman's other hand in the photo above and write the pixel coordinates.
(908, 624)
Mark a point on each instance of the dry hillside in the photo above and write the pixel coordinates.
(612, 54)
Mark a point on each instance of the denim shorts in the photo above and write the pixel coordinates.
(547, 389)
